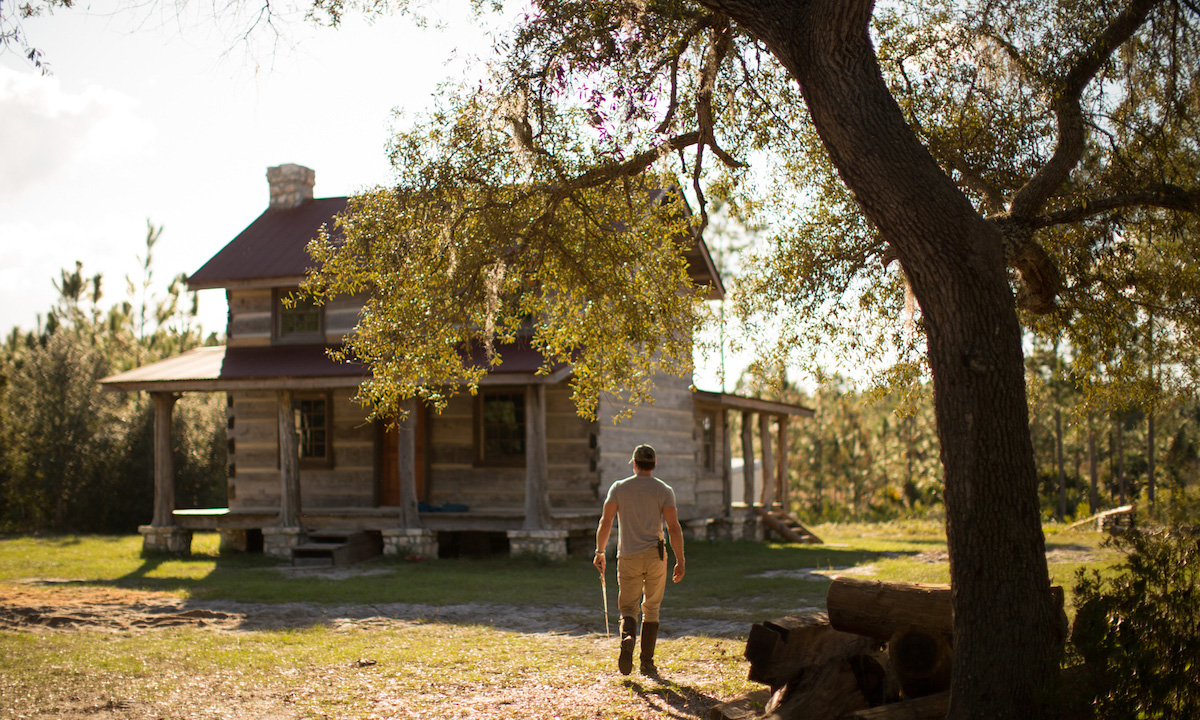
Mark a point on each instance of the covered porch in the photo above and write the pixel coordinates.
(404, 526)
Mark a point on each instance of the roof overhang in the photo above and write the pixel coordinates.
(296, 367)
(747, 404)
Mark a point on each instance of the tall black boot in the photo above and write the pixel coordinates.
(628, 637)
(649, 638)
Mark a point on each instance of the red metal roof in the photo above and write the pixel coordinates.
(273, 246)
(291, 366)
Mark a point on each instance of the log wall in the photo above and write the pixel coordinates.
(672, 426)
(455, 477)
(254, 480)
(252, 317)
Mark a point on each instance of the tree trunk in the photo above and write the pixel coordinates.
(1150, 456)
(955, 266)
(1093, 468)
(1060, 462)
(1119, 451)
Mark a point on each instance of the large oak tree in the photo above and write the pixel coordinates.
(965, 137)
(995, 160)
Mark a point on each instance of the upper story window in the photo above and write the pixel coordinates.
(298, 318)
(500, 427)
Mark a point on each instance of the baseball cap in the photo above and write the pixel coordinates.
(643, 453)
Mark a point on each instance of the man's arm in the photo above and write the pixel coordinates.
(602, 532)
(675, 533)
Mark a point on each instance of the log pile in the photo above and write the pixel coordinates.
(883, 651)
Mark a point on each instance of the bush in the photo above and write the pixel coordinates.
(1139, 630)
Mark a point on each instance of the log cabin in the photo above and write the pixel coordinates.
(511, 469)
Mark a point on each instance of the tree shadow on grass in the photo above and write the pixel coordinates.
(672, 699)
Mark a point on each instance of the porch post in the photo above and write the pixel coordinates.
(747, 459)
(768, 461)
(279, 540)
(164, 461)
(161, 535)
(726, 464)
(537, 504)
(782, 465)
(406, 454)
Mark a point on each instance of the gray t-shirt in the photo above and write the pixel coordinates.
(640, 501)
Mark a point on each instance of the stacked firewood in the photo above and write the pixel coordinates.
(882, 651)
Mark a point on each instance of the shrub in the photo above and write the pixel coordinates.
(1139, 629)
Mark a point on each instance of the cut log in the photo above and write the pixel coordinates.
(931, 707)
(743, 707)
(825, 693)
(880, 610)
(780, 650)
(922, 662)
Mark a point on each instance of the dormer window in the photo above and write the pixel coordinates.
(298, 318)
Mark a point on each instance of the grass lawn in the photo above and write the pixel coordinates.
(419, 666)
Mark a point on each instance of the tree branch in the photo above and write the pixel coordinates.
(1072, 137)
(1167, 197)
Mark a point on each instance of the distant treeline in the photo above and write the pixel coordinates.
(874, 454)
(77, 458)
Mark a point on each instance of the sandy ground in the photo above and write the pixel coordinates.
(49, 606)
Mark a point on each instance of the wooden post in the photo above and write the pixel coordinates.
(768, 460)
(781, 465)
(747, 459)
(289, 462)
(726, 464)
(537, 504)
(406, 460)
(164, 460)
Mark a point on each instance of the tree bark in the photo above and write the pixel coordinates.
(1060, 462)
(1093, 468)
(954, 263)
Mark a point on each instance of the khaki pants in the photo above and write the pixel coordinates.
(641, 577)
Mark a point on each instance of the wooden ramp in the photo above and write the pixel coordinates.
(786, 526)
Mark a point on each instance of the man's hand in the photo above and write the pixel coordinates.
(678, 574)
(601, 562)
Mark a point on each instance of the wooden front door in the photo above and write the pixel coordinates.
(389, 471)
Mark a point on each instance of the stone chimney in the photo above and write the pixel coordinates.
(291, 185)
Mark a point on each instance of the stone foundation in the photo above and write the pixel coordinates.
(697, 530)
(413, 543)
(279, 541)
(748, 527)
(168, 539)
(547, 543)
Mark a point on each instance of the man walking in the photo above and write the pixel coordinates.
(641, 502)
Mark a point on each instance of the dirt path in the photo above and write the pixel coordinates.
(48, 606)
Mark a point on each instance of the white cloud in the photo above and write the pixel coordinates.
(46, 130)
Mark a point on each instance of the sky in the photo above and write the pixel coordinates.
(152, 116)
(165, 116)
